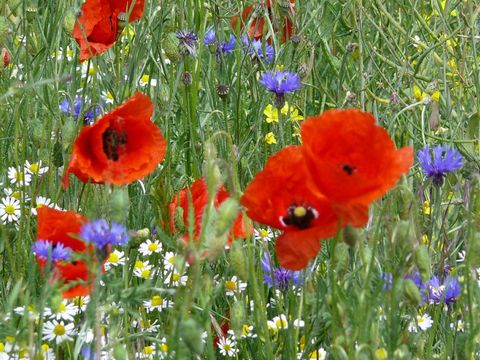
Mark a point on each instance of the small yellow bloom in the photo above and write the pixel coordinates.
(425, 239)
(435, 96)
(427, 210)
(418, 94)
(271, 113)
(270, 138)
(381, 354)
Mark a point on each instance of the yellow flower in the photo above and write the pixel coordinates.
(418, 94)
(270, 138)
(271, 113)
(435, 96)
(425, 239)
(381, 354)
(427, 210)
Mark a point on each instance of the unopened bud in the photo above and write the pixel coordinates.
(411, 292)
(227, 212)
(119, 205)
(422, 259)
(342, 257)
(223, 90)
(69, 132)
(237, 318)
(170, 47)
(31, 13)
(187, 78)
(296, 39)
(237, 260)
(403, 239)
(57, 160)
(6, 57)
(143, 233)
(350, 235)
(216, 246)
(4, 29)
(69, 21)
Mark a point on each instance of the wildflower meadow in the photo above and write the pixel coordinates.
(239, 179)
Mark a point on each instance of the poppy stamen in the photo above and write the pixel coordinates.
(299, 216)
(112, 141)
(349, 169)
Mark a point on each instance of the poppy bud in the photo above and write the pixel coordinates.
(237, 318)
(57, 155)
(31, 13)
(403, 239)
(411, 292)
(342, 257)
(119, 205)
(237, 260)
(422, 259)
(192, 335)
(6, 57)
(474, 250)
(143, 233)
(227, 212)
(69, 21)
(350, 235)
(4, 29)
(178, 220)
(216, 246)
(69, 133)
(170, 47)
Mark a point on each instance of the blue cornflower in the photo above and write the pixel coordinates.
(255, 49)
(44, 249)
(88, 117)
(224, 47)
(98, 232)
(280, 83)
(282, 278)
(210, 37)
(188, 42)
(444, 160)
(446, 292)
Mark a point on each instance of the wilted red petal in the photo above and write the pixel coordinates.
(123, 146)
(352, 160)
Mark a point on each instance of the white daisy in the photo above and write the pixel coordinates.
(263, 234)
(41, 201)
(459, 326)
(278, 323)
(149, 247)
(174, 278)
(227, 347)
(66, 311)
(298, 323)
(424, 323)
(9, 210)
(107, 97)
(81, 302)
(247, 331)
(35, 168)
(143, 269)
(169, 260)
(58, 331)
(115, 259)
(158, 303)
(18, 176)
(143, 81)
(17, 194)
(148, 352)
(60, 54)
(234, 286)
(319, 354)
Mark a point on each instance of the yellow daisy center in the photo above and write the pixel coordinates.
(62, 307)
(227, 347)
(157, 300)
(164, 347)
(176, 277)
(16, 195)
(171, 260)
(148, 350)
(34, 168)
(59, 330)
(263, 233)
(19, 176)
(153, 247)
(245, 329)
(145, 78)
(10, 209)
(146, 274)
(231, 285)
(113, 258)
(139, 265)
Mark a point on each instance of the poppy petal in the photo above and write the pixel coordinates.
(295, 249)
(350, 157)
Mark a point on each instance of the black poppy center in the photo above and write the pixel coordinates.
(299, 216)
(113, 142)
(349, 169)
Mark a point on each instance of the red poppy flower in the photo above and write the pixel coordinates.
(97, 28)
(123, 146)
(255, 29)
(60, 227)
(199, 200)
(283, 195)
(353, 161)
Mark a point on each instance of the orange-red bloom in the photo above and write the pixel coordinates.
(283, 195)
(123, 146)
(345, 163)
(198, 195)
(97, 28)
(253, 15)
(353, 161)
(60, 227)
